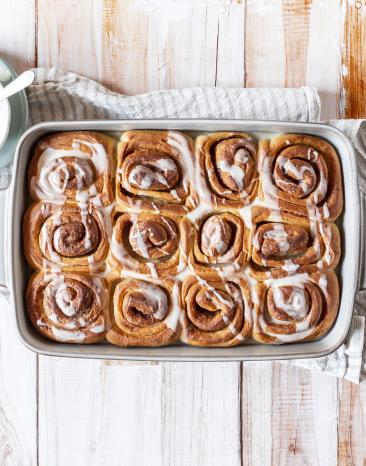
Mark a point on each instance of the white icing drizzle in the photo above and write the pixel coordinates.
(290, 266)
(295, 306)
(236, 172)
(65, 335)
(176, 313)
(52, 167)
(278, 233)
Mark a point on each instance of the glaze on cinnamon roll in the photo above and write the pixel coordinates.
(302, 174)
(68, 237)
(155, 172)
(228, 162)
(68, 307)
(73, 166)
(216, 312)
(298, 308)
(145, 313)
(220, 241)
(150, 244)
(293, 245)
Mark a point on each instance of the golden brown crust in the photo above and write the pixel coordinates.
(155, 172)
(144, 312)
(292, 245)
(228, 163)
(65, 236)
(68, 307)
(297, 308)
(219, 241)
(73, 164)
(216, 312)
(194, 239)
(150, 244)
(303, 174)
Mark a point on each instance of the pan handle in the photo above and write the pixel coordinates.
(4, 243)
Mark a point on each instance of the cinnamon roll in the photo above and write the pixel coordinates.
(72, 166)
(151, 244)
(68, 307)
(219, 241)
(69, 237)
(216, 312)
(302, 175)
(293, 245)
(145, 313)
(228, 162)
(155, 172)
(298, 308)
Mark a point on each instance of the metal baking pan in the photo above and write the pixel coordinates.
(14, 271)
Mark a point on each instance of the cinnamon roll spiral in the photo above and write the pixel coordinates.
(150, 244)
(70, 237)
(298, 308)
(72, 166)
(220, 240)
(293, 245)
(217, 312)
(68, 307)
(155, 172)
(145, 313)
(302, 174)
(228, 162)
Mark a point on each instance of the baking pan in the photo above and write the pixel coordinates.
(13, 263)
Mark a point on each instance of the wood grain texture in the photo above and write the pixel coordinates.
(18, 366)
(324, 55)
(68, 35)
(353, 96)
(18, 396)
(351, 424)
(201, 414)
(257, 414)
(99, 413)
(159, 45)
(290, 43)
(17, 33)
(265, 57)
(230, 63)
(301, 432)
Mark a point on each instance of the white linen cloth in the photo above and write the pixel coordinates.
(67, 96)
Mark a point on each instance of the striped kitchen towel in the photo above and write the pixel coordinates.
(67, 96)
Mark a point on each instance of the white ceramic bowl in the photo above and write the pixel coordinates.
(4, 120)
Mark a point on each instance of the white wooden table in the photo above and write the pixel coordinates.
(82, 412)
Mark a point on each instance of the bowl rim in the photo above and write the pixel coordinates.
(5, 107)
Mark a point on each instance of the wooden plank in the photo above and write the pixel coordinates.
(289, 416)
(351, 424)
(159, 45)
(325, 29)
(353, 96)
(265, 57)
(68, 33)
(201, 414)
(99, 413)
(303, 406)
(257, 414)
(230, 67)
(17, 33)
(291, 43)
(296, 24)
(18, 366)
(18, 395)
